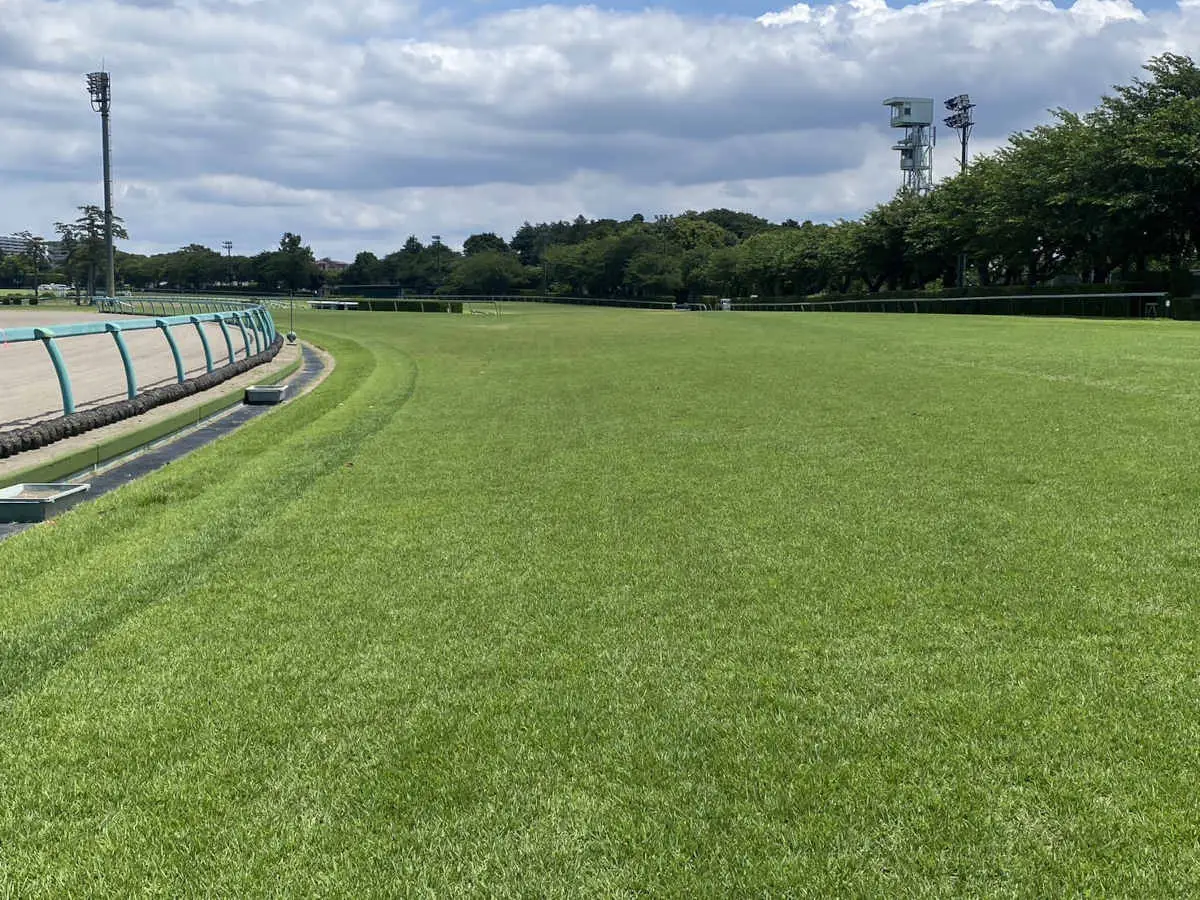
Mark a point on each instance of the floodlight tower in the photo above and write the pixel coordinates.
(99, 87)
(960, 120)
(227, 246)
(915, 116)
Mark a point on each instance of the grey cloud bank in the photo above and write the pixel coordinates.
(361, 122)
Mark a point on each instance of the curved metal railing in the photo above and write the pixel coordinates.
(253, 322)
(161, 306)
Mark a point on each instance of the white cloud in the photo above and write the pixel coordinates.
(359, 122)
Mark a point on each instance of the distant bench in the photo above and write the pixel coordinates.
(333, 304)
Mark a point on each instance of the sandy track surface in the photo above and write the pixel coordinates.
(29, 388)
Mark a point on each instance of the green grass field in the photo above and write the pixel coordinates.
(602, 602)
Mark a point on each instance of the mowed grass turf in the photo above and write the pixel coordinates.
(603, 602)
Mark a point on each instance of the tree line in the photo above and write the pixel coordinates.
(1108, 195)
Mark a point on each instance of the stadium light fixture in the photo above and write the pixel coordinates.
(100, 89)
(960, 119)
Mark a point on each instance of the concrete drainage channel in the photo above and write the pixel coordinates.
(23, 506)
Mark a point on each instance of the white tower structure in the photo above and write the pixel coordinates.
(915, 116)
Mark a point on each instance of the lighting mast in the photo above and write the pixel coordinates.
(99, 87)
(960, 120)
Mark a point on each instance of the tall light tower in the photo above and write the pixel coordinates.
(961, 121)
(915, 116)
(227, 246)
(99, 87)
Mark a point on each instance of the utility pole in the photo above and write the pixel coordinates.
(228, 248)
(960, 119)
(100, 89)
(543, 243)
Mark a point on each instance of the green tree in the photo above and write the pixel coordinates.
(34, 251)
(13, 268)
(192, 267)
(653, 274)
(487, 242)
(487, 272)
(741, 224)
(84, 243)
(882, 252)
(367, 268)
(293, 266)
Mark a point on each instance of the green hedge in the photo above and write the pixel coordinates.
(436, 306)
(622, 302)
(1185, 308)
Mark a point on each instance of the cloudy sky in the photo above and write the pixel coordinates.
(359, 122)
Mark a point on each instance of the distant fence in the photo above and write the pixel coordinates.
(1107, 305)
(164, 306)
(421, 305)
(249, 337)
(372, 302)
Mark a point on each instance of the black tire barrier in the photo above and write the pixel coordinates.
(33, 437)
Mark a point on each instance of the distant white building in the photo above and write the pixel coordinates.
(11, 245)
(14, 245)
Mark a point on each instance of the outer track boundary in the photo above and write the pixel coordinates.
(98, 453)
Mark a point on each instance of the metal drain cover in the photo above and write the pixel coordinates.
(38, 502)
(266, 393)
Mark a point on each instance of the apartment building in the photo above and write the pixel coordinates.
(13, 244)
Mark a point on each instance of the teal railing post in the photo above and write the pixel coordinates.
(245, 336)
(208, 362)
(259, 325)
(166, 330)
(228, 339)
(46, 336)
(254, 330)
(255, 327)
(114, 329)
(264, 323)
